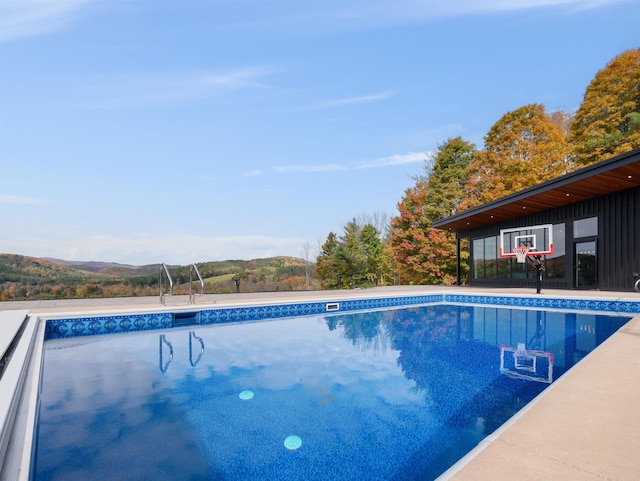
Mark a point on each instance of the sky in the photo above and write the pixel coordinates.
(147, 131)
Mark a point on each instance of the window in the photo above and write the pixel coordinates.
(586, 265)
(485, 257)
(585, 227)
(557, 263)
(487, 264)
(478, 258)
(490, 256)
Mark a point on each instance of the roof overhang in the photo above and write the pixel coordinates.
(618, 173)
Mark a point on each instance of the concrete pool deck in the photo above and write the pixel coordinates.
(586, 426)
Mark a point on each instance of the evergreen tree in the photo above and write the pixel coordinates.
(351, 256)
(327, 268)
(448, 178)
(357, 258)
(373, 252)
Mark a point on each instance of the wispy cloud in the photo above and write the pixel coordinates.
(310, 18)
(253, 173)
(508, 5)
(20, 199)
(409, 158)
(363, 99)
(26, 18)
(388, 11)
(151, 90)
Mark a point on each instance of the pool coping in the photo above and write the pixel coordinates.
(488, 459)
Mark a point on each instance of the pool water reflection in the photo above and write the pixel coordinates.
(391, 394)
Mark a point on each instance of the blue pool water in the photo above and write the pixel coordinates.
(396, 394)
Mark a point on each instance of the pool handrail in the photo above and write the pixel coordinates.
(192, 296)
(166, 270)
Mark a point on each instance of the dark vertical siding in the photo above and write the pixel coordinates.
(618, 239)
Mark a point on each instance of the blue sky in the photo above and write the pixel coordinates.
(143, 131)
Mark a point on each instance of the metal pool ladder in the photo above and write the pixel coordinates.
(192, 295)
(166, 270)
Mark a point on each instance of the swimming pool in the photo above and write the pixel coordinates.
(387, 394)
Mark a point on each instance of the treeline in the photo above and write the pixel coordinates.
(525, 147)
(23, 277)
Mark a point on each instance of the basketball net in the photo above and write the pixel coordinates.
(521, 253)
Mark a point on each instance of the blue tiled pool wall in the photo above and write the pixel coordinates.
(92, 326)
(613, 305)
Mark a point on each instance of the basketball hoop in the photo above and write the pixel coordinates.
(521, 253)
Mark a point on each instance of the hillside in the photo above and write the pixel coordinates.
(32, 271)
(111, 268)
(23, 277)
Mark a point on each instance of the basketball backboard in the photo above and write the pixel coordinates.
(538, 238)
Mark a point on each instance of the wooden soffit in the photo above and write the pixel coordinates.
(618, 173)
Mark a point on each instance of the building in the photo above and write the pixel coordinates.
(593, 216)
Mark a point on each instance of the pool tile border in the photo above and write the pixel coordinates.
(612, 305)
(101, 325)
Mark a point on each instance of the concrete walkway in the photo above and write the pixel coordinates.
(119, 303)
(586, 426)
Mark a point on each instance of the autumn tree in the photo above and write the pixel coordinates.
(524, 148)
(425, 255)
(607, 122)
(408, 231)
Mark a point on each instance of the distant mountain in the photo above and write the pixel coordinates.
(108, 268)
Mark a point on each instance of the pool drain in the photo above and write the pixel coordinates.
(246, 395)
(292, 442)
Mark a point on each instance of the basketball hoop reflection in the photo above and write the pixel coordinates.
(529, 364)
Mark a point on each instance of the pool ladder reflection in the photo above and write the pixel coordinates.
(164, 365)
(192, 335)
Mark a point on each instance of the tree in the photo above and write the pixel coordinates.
(307, 249)
(607, 122)
(524, 148)
(448, 177)
(379, 220)
(408, 233)
(327, 267)
(425, 255)
(373, 253)
(358, 257)
(350, 256)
